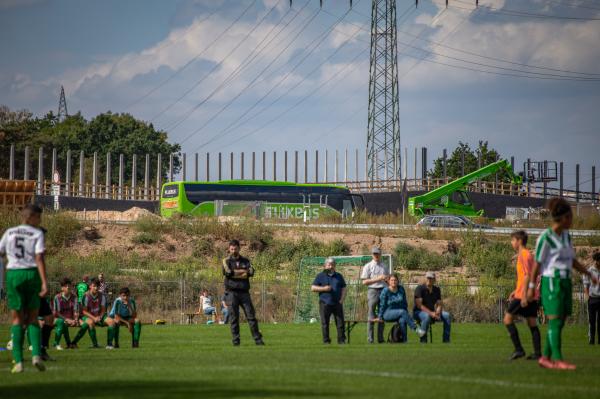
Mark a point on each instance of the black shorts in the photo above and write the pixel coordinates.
(531, 310)
(44, 308)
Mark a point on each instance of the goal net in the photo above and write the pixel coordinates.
(355, 305)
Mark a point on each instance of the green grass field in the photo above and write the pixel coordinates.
(199, 361)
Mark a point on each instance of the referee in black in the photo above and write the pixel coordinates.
(237, 271)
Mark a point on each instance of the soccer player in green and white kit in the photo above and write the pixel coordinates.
(26, 283)
(93, 309)
(124, 313)
(555, 260)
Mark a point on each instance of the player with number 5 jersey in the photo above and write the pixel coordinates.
(26, 282)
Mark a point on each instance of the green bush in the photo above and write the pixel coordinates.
(146, 237)
(203, 247)
(62, 230)
(151, 224)
(412, 258)
(485, 257)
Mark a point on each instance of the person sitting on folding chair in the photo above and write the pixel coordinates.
(428, 307)
(393, 306)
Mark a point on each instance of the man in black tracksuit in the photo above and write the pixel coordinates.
(237, 271)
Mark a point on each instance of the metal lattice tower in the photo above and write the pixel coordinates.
(62, 105)
(383, 135)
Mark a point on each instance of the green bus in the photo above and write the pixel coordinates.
(257, 198)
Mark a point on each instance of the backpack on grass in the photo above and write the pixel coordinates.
(395, 335)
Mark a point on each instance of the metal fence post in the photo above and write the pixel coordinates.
(577, 183)
(11, 167)
(295, 166)
(147, 177)
(208, 166)
(159, 175)
(231, 165)
(184, 167)
(121, 175)
(253, 165)
(133, 194)
(81, 172)
(40, 189)
(274, 165)
(68, 175)
(196, 166)
(264, 165)
(94, 174)
(242, 165)
(285, 166)
(26, 166)
(316, 166)
(170, 167)
(108, 180)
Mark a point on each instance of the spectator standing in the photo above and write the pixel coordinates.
(374, 275)
(592, 293)
(82, 288)
(224, 310)
(429, 307)
(331, 287)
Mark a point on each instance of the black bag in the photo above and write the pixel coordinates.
(395, 335)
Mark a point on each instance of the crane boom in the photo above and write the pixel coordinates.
(441, 199)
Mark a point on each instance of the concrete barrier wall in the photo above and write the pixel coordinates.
(92, 204)
(493, 205)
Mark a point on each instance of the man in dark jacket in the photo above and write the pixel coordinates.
(331, 287)
(237, 271)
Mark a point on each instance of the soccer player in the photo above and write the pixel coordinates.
(237, 271)
(555, 260)
(26, 283)
(518, 303)
(94, 315)
(124, 313)
(66, 314)
(82, 288)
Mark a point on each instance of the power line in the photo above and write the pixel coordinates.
(240, 67)
(523, 14)
(306, 24)
(191, 61)
(218, 65)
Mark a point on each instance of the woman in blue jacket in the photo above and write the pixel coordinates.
(394, 307)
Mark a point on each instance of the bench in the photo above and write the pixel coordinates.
(350, 324)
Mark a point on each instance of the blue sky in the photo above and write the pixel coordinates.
(113, 55)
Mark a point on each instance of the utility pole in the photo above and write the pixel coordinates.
(383, 128)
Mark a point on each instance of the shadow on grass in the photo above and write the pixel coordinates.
(154, 389)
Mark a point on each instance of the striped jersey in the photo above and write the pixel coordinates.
(125, 310)
(555, 254)
(65, 308)
(21, 244)
(93, 304)
(594, 289)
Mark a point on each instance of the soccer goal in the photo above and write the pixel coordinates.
(355, 305)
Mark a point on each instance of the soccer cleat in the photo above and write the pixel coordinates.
(562, 365)
(420, 332)
(517, 355)
(38, 363)
(260, 342)
(135, 344)
(110, 347)
(45, 356)
(533, 356)
(545, 362)
(17, 368)
(59, 348)
(73, 346)
(236, 343)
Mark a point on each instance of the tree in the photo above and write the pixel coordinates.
(107, 132)
(473, 160)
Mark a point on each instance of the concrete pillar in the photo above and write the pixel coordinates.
(196, 167)
(11, 167)
(544, 183)
(40, 189)
(305, 166)
(231, 166)
(147, 177)
(68, 175)
(81, 172)
(593, 184)
(445, 164)
(170, 168)
(54, 161)
(512, 163)
(26, 166)
(528, 177)
(133, 194)
(108, 176)
(356, 165)
(264, 165)
(184, 167)
(242, 165)
(208, 166)
(219, 169)
(159, 177)
(577, 183)
(346, 165)
(316, 166)
(295, 166)
(335, 167)
(274, 165)
(94, 174)
(560, 179)
(416, 164)
(326, 179)
(121, 174)
(253, 165)
(285, 166)
(462, 163)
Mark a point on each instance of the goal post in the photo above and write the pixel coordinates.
(355, 305)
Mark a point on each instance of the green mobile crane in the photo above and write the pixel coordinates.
(452, 198)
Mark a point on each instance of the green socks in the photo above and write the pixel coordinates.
(110, 335)
(61, 330)
(137, 330)
(16, 334)
(81, 332)
(35, 338)
(554, 339)
(93, 336)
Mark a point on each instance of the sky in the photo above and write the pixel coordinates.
(257, 75)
